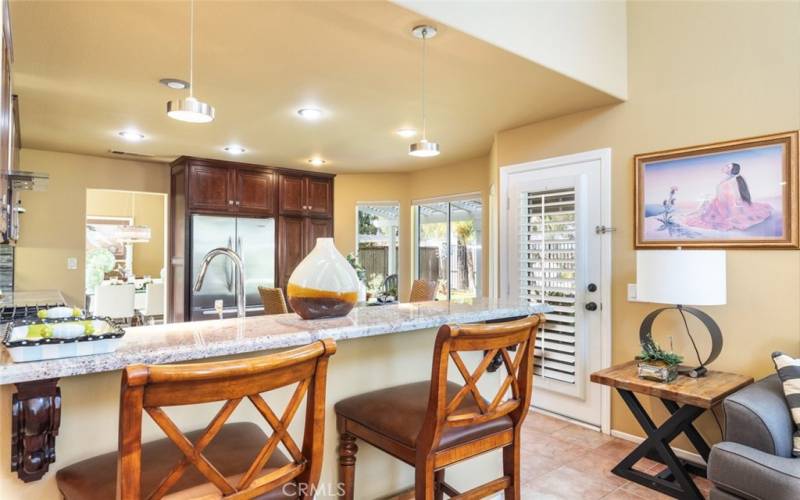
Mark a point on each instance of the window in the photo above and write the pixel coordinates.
(377, 244)
(449, 246)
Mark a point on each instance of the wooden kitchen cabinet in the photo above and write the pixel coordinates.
(306, 195)
(255, 191)
(210, 188)
(316, 228)
(291, 194)
(291, 250)
(300, 202)
(296, 238)
(319, 196)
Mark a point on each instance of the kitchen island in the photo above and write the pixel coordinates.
(377, 347)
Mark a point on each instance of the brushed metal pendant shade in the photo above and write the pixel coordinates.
(190, 109)
(424, 148)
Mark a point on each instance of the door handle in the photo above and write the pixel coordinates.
(228, 272)
(591, 306)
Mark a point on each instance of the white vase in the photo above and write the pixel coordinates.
(362, 292)
(324, 284)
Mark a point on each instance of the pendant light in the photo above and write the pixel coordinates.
(424, 148)
(133, 233)
(190, 109)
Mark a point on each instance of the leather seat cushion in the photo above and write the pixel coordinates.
(399, 412)
(231, 451)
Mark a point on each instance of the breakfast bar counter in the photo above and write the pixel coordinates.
(68, 407)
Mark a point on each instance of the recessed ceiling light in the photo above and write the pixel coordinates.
(317, 162)
(234, 149)
(174, 83)
(406, 132)
(310, 113)
(131, 135)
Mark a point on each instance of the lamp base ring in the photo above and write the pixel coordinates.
(645, 334)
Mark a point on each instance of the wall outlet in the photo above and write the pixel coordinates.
(632, 295)
(72, 263)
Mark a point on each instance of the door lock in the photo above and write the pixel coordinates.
(591, 306)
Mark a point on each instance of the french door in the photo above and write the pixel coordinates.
(554, 253)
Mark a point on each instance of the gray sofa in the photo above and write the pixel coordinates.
(755, 460)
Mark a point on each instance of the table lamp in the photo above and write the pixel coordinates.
(683, 278)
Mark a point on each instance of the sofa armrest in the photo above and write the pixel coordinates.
(753, 474)
(757, 416)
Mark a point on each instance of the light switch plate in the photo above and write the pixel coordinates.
(632, 295)
(72, 263)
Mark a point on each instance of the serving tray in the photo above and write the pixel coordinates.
(37, 349)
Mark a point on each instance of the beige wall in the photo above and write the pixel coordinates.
(146, 209)
(350, 189)
(699, 72)
(54, 225)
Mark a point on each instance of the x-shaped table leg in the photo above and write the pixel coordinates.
(677, 482)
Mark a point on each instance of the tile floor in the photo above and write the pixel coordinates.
(564, 461)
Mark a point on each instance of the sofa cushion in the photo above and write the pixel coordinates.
(752, 474)
(789, 373)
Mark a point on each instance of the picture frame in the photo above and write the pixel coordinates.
(726, 195)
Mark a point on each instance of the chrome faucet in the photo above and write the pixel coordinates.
(228, 252)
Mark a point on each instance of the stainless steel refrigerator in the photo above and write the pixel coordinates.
(254, 240)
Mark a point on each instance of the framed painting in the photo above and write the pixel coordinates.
(736, 194)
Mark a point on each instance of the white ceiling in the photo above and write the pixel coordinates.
(86, 70)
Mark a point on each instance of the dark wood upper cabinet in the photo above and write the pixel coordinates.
(306, 195)
(255, 193)
(291, 193)
(210, 188)
(319, 196)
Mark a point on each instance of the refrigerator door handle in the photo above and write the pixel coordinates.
(229, 269)
(240, 252)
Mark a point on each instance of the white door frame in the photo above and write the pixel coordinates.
(604, 156)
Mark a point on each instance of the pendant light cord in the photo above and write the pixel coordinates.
(424, 57)
(191, 48)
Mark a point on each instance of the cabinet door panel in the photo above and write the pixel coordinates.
(291, 194)
(210, 188)
(254, 191)
(319, 197)
(316, 228)
(290, 246)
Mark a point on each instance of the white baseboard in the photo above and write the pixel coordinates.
(686, 455)
(565, 419)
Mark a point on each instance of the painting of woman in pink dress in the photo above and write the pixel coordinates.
(732, 207)
(735, 194)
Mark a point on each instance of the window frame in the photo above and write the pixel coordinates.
(416, 206)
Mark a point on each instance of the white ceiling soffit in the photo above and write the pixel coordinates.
(585, 40)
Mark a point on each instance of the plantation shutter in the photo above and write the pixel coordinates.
(547, 274)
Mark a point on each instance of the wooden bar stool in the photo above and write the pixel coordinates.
(223, 460)
(432, 425)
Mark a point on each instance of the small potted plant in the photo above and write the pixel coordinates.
(657, 364)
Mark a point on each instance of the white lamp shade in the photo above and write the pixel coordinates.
(685, 277)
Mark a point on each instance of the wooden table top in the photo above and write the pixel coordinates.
(703, 392)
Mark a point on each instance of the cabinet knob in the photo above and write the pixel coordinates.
(237, 203)
(230, 202)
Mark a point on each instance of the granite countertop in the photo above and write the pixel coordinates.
(32, 298)
(190, 341)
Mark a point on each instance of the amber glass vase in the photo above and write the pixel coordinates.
(324, 284)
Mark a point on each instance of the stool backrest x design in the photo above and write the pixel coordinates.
(491, 339)
(149, 388)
